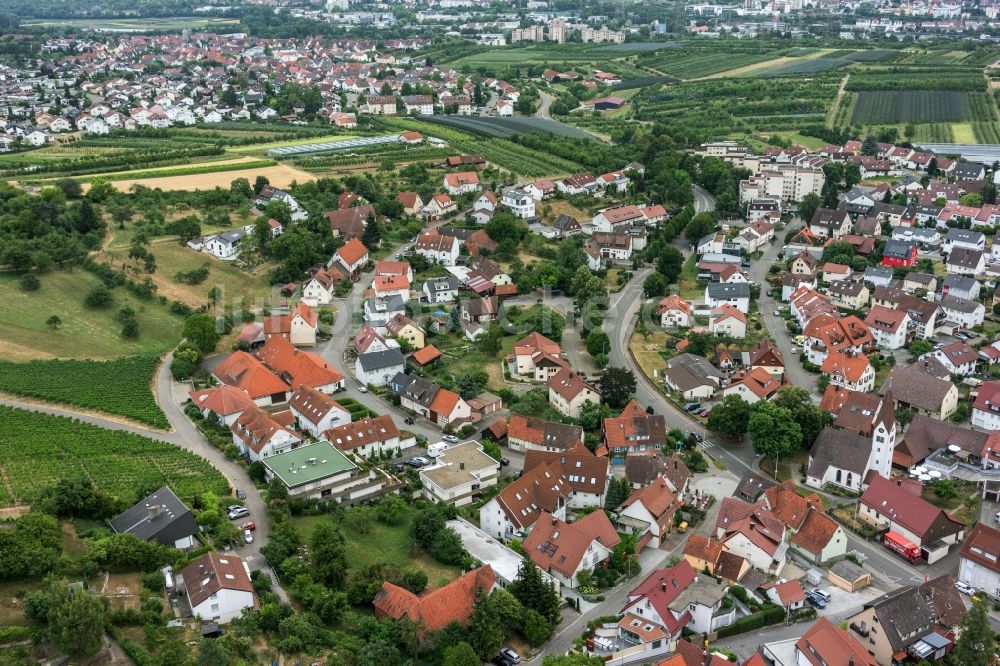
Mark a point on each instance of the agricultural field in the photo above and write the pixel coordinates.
(986, 132)
(148, 24)
(505, 128)
(278, 175)
(934, 133)
(36, 450)
(696, 63)
(824, 63)
(83, 332)
(910, 106)
(119, 387)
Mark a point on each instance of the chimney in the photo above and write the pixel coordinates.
(555, 521)
(899, 482)
(461, 465)
(850, 662)
(152, 510)
(663, 584)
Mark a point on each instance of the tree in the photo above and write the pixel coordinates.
(76, 620)
(598, 342)
(328, 563)
(822, 382)
(670, 263)
(508, 610)
(976, 640)
(185, 362)
(461, 654)
(730, 417)
(618, 492)
(30, 282)
(808, 205)
(700, 226)
(200, 330)
(372, 235)
(773, 431)
(655, 285)
(903, 417)
(53, 322)
(537, 629)
(805, 412)
(920, 347)
(869, 146)
(534, 593)
(260, 183)
(486, 634)
(98, 297)
(240, 187)
(617, 386)
(490, 342)
(130, 329)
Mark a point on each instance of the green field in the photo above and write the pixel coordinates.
(84, 332)
(118, 387)
(910, 106)
(695, 63)
(389, 544)
(36, 450)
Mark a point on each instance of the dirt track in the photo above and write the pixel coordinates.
(279, 176)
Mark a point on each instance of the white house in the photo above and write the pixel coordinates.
(377, 368)
(217, 586)
(649, 512)
(441, 249)
(979, 564)
(460, 474)
(889, 327)
(986, 409)
(441, 290)
(315, 411)
(225, 245)
(962, 313)
(462, 182)
(674, 311)
(258, 434)
(520, 203)
(736, 294)
(564, 550)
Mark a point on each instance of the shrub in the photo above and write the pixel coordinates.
(29, 282)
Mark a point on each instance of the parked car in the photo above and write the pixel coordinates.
(248, 526)
(964, 588)
(233, 507)
(777, 313)
(362, 389)
(697, 437)
(408, 420)
(815, 601)
(241, 494)
(822, 594)
(239, 512)
(418, 462)
(399, 467)
(692, 406)
(504, 462)
(451, 439)
(248, 536)
(511, 654)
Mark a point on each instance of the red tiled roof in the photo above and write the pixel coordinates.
(352, 251)
(986, 540)
(426, 355)
(824, 644)
(660, 588)
(891, 499)
(246, 372)
(438, 608)
(297, 367)
(360, 433)
(815, 532)
(556, 545)
(213, 572)
(222, 399)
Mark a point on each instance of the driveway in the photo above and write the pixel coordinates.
(543, 106)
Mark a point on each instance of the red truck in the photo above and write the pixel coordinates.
(897, 544)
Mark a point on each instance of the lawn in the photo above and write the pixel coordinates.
(383, 543)
(648, 351)
(84, 332)
(964, 507)
(687, 283)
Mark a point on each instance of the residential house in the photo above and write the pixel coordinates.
(692, 376)
(437, 248)
(633, 431)
(979, 565)
(527, 433)
(961, 313)
(961, 286)
(913, 621)
(377, 368)
(728, 320)
(161, 517)
(830, 223)
(438, 607)
(896, 504)
(917, 388)
(814, 535)
(412, 203)
(564, 550)
(957, 357)
(735, 294)
(850, 371)
(674, 311)
(753, 532)
(512, 513)
(245, 372)
(461, 182)
(588, 475)
(642, 470)
(460, 474)
(439, 206)
(963, 238)
(441, 290)
(226, 245)
(649, 513)
(986, 407)
(899, 253)
(535, 358)
(753, 385)
(519, 202)
(259, 434)
(568, 392)
(348, 223)
(403, 328)
(889, 327)
(378, 311)
(826, 644)
(216, 587)
(225, 401)
(788, 594)
(367, 437)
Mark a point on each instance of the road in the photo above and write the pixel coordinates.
(775, 325)
(543, 107)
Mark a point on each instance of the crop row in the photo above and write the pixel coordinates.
(909, 79)
(804, 66)
(904, 106)
(933, 133)
(981, 107)
(36, 450)
(695, 64)
(120, 386)
(986, 132)
(190, 170)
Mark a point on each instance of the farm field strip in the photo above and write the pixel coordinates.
(279, 175)
(901, 106)
(986, 132)
(36, 450)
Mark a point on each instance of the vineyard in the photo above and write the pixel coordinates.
(804, 66)
(118, 387)
(906, 106)
(986, 132)
(696, 63)
(36, 450)
(934, 133)
(192, 170)
(504, 128)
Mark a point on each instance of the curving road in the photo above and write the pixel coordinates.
(543, 107)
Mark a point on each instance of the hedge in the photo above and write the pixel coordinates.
(14, 634)
(768, 615)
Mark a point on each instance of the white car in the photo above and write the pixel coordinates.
(248, 536)
(362, 389)
(450, 438)
(964, 588)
